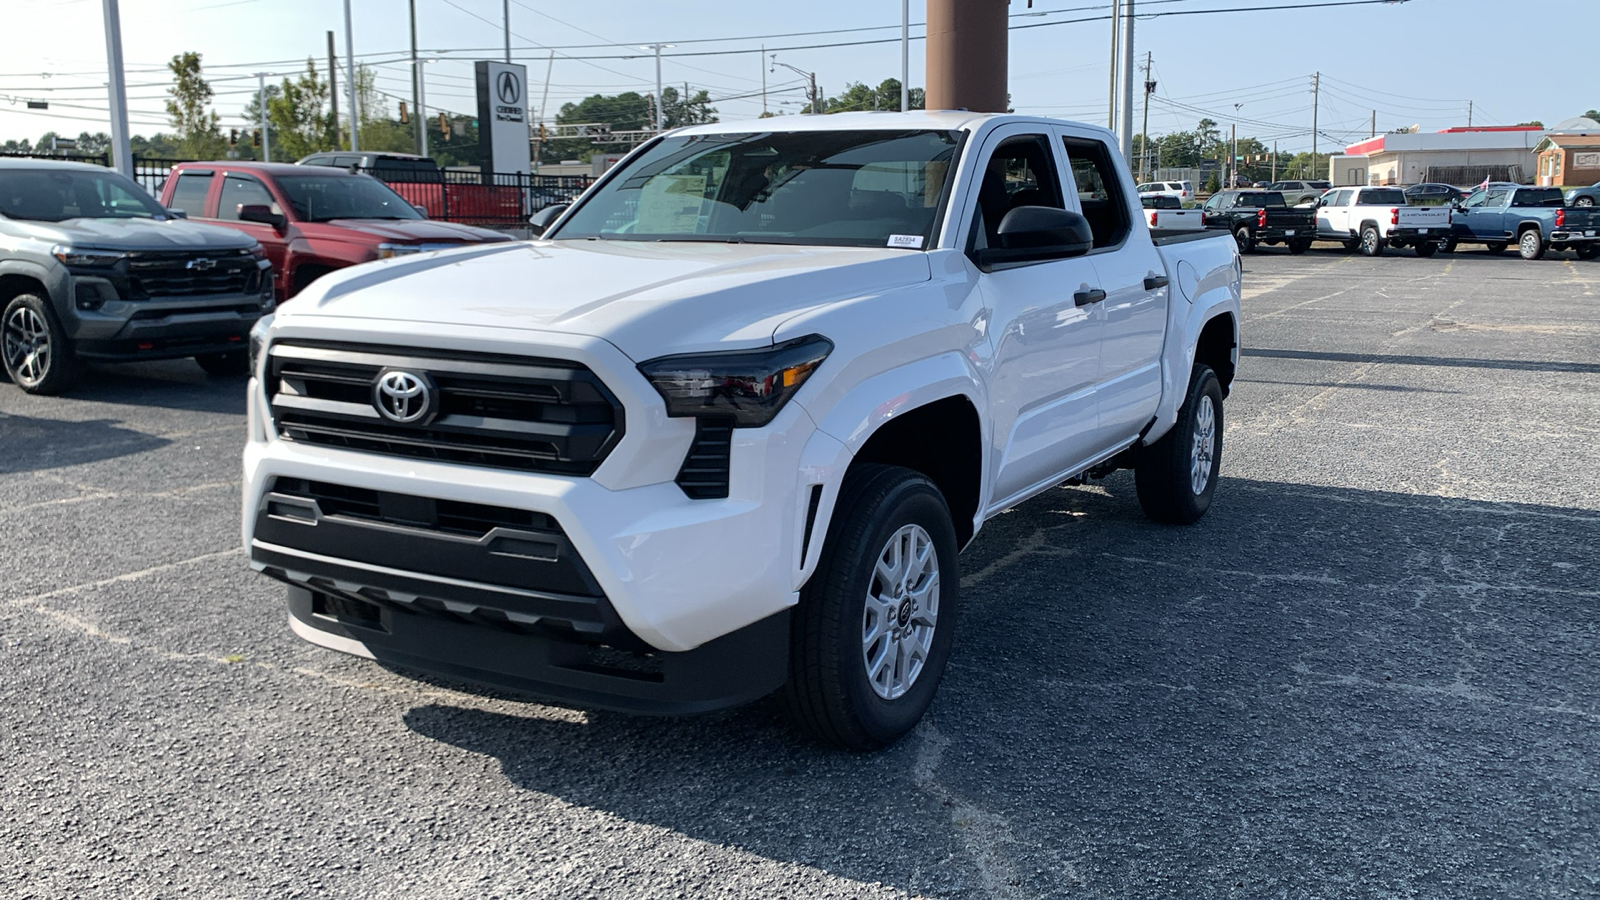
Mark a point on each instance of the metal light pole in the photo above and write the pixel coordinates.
(905, 55)
(763, 79)
(811, 77)
(350, 76)
(1116, 55)
(1125, 132)
(416, 91)
(660, 120)
(121, 154)
(422, 104)
(261, 102)
(508, 30)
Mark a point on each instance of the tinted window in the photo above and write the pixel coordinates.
(836, 188)
(1383, 196)
(1540, 197)
(1160, 201)
(1498, 197)
(1099, 196)
(1320, 185)
(241, 190)
(44, 195)
(1021, 172)
(1261, 200)
(321, 198)
(189, 194)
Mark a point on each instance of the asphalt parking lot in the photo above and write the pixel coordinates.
(1371, 671)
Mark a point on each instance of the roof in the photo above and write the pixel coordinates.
(940, 120)
(1569, 141)
(33, 162)
(268, 168)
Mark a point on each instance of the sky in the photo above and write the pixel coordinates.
(1418, 62)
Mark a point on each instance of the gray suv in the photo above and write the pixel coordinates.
(91, 267)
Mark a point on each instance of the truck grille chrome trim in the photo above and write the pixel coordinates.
(504, 412)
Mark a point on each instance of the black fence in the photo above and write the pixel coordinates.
(500, 200)
(1466, 176)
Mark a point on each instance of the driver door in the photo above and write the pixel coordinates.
(1046, 344)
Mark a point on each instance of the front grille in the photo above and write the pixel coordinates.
(505, 412)
(156, 275)
(704, 475)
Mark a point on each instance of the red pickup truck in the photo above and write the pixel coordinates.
(310, 220)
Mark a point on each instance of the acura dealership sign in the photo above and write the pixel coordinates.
(503, 117)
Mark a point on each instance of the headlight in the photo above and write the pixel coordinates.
(749, 386)
(258, 341)
(85, 256)
(258, 251)
(386, 251)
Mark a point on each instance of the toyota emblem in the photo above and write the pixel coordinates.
(404, 397)
(510, 87)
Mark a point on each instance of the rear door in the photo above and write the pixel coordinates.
(1134, 277)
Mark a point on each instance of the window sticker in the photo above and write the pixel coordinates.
(913, 241)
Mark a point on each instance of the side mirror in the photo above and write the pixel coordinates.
(541, 221)
(421, 210)
(177, 214)
(1036, 234)
(261, 214)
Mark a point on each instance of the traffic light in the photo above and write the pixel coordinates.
(541, 131)
(444, 124)
(255, 138)
(233, 137)
(405, 116)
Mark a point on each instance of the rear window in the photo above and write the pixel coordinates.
(1540, 197)
(1261, 199)
(1382, 196)
(1161, 201)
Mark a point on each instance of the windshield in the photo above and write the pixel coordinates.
(46, 195)
(835, 188)
(318, 198)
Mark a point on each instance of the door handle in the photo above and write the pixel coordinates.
(1084, 298)
(1156, 282)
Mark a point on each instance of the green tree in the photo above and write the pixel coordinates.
(251, 117)
(378, 131)
(678, 110)
(886, 96)
(627, 111)
(195, 125)
(1535, 123)
(1593, 114)
(298, 115)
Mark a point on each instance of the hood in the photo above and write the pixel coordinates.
(649, 299)
(140, 234)
(416, 231)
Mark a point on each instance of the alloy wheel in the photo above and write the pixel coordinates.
(27, 345)
(1204, 448)
(902, 612)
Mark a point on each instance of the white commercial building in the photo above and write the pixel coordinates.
(1460, 156)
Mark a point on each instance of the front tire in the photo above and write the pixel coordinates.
(1497, 247)
(873, 630)
(1426, 249)
(37, 354)
(231, 364)
(1176, 477)
(1371, 241)
(1583, 201)
(1531, 245)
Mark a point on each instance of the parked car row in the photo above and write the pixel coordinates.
(1373, 219)
(93, 268)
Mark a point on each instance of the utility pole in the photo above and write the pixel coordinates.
(261, 102)
(1274, 160)
(508, 31)
(1116, 37)
(1144, 130)
(121, 154)
(421, 142)
(333, 89)
(1469, 113)
(1233, 155)
(350, 76)
(1373, 131)
(905, 58)
(763, 79)
(1316, 87)
(1125, 133)
(811, 78)
(657, 49)
(549, 67)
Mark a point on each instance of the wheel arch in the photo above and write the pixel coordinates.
(943, 440)
(1218, 347)
(17, 280)
(1527, 225)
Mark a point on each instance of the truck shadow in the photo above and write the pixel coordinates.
(28, 444)
(177, 384)
(1313, 687)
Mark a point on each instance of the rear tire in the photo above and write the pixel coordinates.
(1245, 240)
(1371, 241)
(37, 354)
(868, 648)
(1497, 247)
(1448, 246)
(1583, 201)
(231, 364)
(1299, 247)
(1530, 244)
(1589, 251)
(1426, 249)
(1176, 477)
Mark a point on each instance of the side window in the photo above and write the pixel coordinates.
(1021, 172)
(189, 194)
(1497, 198)
(1476, 200)
(240, 190)
(1213, 203)
(344, 160)
(1099, 191)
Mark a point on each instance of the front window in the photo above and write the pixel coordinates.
(834, 188)
(321, 198)
(55, 195)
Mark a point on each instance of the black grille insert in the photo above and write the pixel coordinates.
(191, 274)
(505, 412)
(704, 475)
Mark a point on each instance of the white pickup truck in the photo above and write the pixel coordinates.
(1165, 216)
(724, 428)
(1373, 218)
